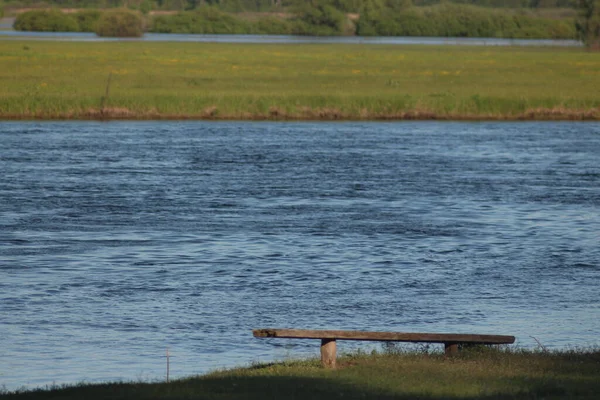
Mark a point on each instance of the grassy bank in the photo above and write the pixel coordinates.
(149, 80)
(483, 374)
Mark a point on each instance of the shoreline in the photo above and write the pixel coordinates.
(395, 373)
(211, 114)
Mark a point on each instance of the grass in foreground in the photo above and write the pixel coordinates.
(150, 80)
(476, 374)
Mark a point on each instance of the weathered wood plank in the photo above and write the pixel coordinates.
(451, 348)
(328, 350)
(447, 338)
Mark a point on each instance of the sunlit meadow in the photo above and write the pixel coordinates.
(45, 79)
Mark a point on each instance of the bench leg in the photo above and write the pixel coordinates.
(328, 348)
(451, 348)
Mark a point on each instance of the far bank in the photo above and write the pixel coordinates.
(408, 18)
(154, 80)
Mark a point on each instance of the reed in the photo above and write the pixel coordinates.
(151, 80)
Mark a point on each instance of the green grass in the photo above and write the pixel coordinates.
(44, 79)
(476, 374)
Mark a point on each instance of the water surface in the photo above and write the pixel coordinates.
(287, 39)
(119, 240)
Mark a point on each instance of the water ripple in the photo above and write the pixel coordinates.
(118, 240)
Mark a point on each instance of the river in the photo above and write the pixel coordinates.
(119, 240)
(7, 33)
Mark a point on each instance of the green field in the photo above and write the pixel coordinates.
(478, 374)
(150, 80)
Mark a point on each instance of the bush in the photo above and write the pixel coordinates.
(210, 20)
(45, 21)
(321, 20)
(274, 26)
(120, 23)
(205, 20)
(454, 20)
(87, 20)
(1, 10)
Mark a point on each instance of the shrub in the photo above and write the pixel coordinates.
(204, 20)
(321, 20)
(87, 20)
(45, 21)
(216, 21)
(274, 26)
(210, 20)
(454, 20)
(120, 23)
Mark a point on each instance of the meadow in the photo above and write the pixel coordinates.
(475, 374)
(156, 80)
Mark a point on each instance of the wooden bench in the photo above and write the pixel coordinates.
(328, 338)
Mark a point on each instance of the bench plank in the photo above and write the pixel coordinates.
(448, 338)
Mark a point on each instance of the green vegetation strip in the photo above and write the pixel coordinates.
(445, 20)
(152, 80)
(475, 374)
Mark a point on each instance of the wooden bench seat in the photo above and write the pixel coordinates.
(328, 338)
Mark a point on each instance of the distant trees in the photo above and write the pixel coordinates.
(588, 23)
(346, 6)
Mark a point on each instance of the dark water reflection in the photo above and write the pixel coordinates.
(118, 240)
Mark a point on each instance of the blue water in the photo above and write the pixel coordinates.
(120, 240)
(287, 39)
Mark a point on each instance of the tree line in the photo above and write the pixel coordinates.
(348, 6)
(461, 18)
